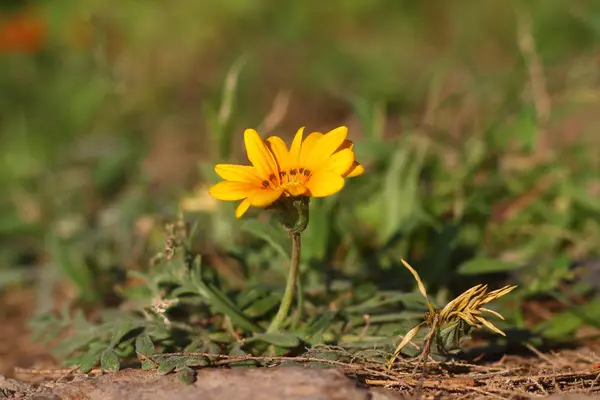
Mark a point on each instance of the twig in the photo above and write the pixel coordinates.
(541, 355)
(451, 385)
(223, 359)
(63, 376)
(53, 372)
(364, 330)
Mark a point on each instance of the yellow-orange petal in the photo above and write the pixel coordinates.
(237, 173)
(280, 151)
(228, 191)
(263, 198)
(355, 170)
(308, 145)
(260, 156)
(324, 183)
(296, 147)
(339, 162)
(325, 147)
(242, 208)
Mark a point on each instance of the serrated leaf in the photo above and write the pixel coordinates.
(74, 342)
(486, 266)
(144, 345)
(195, 361)
(166, 367)
(280, 339)
(75, 270)
(275, 237)
(90, 359)
(147, 365)
(186, 375)
(109, 360)
(119, 331)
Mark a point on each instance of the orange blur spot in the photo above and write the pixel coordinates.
(23, 32)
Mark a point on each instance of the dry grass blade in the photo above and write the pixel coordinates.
(409, 336)
(419, 284)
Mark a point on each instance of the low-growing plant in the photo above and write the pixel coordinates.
(451, 324)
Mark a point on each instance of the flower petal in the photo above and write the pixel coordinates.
(296, 146)
(325, 147)
(308, 145)
(242, 208)
(263, 198)
(355, 170)
(237, 173)
(280, 151)
(339, 163)
(232, 190)
(324, 183)
(260, 156)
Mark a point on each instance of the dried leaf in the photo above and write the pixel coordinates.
(419, 283)
(407, 338)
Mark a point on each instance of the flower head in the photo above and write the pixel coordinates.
(315, 166)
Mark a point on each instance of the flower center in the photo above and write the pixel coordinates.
(293, 181)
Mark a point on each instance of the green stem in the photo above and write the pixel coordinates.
(299, 304)
(288, 295)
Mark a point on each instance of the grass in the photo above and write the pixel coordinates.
(476, 123)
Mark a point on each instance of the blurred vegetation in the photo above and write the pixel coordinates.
(477, 122)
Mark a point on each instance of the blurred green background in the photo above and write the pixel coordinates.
(477, 122)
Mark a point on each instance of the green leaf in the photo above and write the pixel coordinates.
(219, 300)
(486, 266)
(560, 326)
(119, 331)
(262, 306)
(316, 238)
(144, 345)
(147, 365)
(321, 324)
(166, 367)
(90, 359)
(277, 338)
(109, 360)
(76, 271)
(526, 125)
(221, 303)
(401, 188)
(371, 116)
(275, 237)
(171, 363)
(186, 375)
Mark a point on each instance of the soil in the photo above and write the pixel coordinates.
(16, 347)
(563, 374)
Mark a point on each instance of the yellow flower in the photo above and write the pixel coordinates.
(315, 166)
